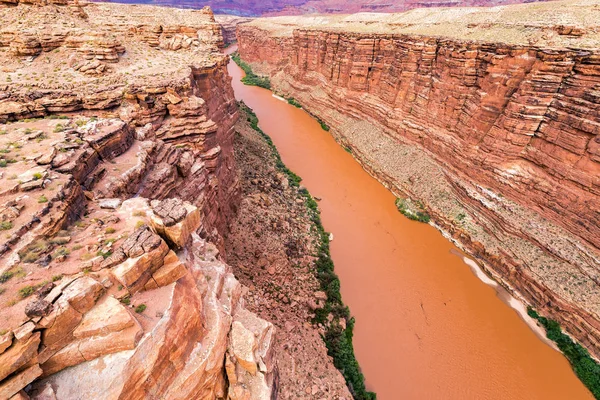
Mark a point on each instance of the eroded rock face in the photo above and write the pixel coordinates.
(229, 25)
(498, 139)
(112, 166)
(180, 353)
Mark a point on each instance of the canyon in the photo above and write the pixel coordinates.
(154, 244)
(486, 118)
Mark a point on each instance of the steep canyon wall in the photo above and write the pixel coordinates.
(499, 138)
(118, 184)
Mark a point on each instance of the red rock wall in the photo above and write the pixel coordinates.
(521, 121)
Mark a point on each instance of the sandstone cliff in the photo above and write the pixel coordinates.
(229, 25)
(490, 117)
(118, 181)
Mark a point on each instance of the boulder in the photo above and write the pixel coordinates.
(38, 308)
(174, 220)
(171, 271)
(111, 204)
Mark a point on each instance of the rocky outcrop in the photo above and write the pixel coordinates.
(229, 25)
(184, 352)
(118, 182)
(497, 138)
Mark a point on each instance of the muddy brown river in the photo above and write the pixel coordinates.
(426, 326)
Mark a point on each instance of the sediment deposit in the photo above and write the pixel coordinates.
(118, 182)
(488, 116)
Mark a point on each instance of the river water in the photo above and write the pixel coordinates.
(426, 326)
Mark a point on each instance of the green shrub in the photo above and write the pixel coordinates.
(251, 79)
(57, 277)
(406, 210)
(34, 251)
(6, 225)
(42, 199)
(59, 128)
(140, 309)
(324, 126)
(37, 176)
(26, 291)
(293, 102)
(3, 163)
(585, 367)
(60, 240)
(61, 251)
(110, 230)
(5, 276)
(104, 254)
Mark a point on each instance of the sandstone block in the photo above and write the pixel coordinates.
(133, 273)
(91, 347)
(175, 220)
(24, 331)
(83, 293)
(171, 271)
(18, 355)
(249, 364)
(20, 396)
(12, 386)
(242, 345)
(5, 341)
(59, 324)
(109, 315)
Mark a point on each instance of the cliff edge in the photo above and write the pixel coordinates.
(118, 182)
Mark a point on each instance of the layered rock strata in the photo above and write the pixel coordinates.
(193, 337)
(489, 117)
(229, 25)
(117, 186)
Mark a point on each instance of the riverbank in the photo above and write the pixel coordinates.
(294, 270)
